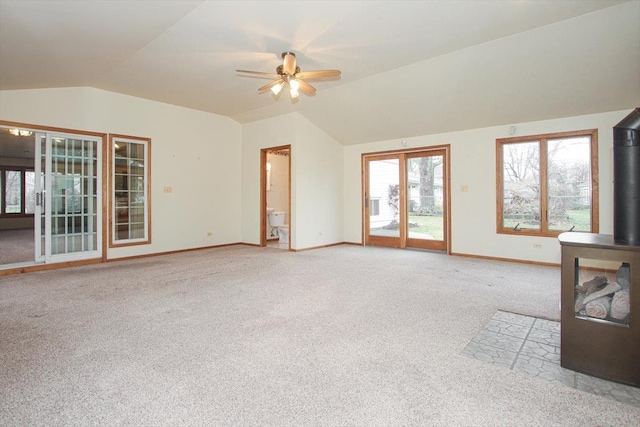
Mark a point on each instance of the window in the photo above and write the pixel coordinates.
(130, 191)
(374, 207)
(17, 189)
(547, 184)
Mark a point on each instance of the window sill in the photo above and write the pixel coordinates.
(535, 233)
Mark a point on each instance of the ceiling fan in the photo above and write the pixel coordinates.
(289, 74)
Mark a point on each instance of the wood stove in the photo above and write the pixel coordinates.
(603, 344)
(600, 323)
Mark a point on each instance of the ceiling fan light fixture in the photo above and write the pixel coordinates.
(277, 88)
(288, 74)
(20, 132)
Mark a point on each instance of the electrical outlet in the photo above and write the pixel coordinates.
(167, 189)
(209, 233)
(537, 245)
(464, 188)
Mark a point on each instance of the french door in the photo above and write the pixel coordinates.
(406, 199)
(68, 214)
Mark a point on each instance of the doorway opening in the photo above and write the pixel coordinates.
(275, 197)
(406, 198)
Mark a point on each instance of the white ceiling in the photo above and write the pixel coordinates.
(408, 67)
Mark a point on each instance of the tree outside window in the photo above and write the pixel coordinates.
(547, 184)
(18, 191)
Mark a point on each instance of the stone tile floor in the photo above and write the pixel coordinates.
(532, 345)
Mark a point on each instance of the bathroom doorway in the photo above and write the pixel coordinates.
(275, 197)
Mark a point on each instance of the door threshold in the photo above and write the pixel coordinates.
(20, 265)
(19, 268)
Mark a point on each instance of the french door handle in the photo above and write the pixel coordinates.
(40, 199)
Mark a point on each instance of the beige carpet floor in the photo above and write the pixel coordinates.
(345, 335)
(16, 246)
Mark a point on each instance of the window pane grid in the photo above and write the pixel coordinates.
(130, 198)
(74, 196)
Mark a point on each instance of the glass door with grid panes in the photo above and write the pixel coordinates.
(68, 197)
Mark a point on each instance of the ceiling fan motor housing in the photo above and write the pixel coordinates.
(280, 70)
(289, 63)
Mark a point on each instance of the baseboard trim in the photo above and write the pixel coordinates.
(44, 267)
(514, 260)
(178, 251)
(313, 248)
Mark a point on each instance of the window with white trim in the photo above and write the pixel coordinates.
(130, 190)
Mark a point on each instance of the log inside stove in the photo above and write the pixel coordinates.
(601, 299)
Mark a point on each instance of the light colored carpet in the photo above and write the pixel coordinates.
(339, 336)
(16, 246)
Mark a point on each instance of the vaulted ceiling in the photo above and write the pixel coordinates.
(408, 67)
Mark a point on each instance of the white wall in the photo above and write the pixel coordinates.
(195, 153)
(473, 213)
(212, 164)
(316, 180)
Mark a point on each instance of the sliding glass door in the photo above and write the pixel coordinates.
(68, 223)
(383, 201)
(426, 204)
(406, 199)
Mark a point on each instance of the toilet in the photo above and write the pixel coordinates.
(283, 231)
(276, 220)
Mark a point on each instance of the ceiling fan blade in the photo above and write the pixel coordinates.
(318, 74)
(289, 63)
(259, 74)
(269, 85)
(306, 87)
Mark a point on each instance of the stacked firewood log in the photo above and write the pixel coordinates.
(602, 299)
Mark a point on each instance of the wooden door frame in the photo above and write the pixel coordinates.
(394, 242)
(438, 245)
(402, 155)
(263, 193)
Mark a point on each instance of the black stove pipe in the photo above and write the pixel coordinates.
(626, 180)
